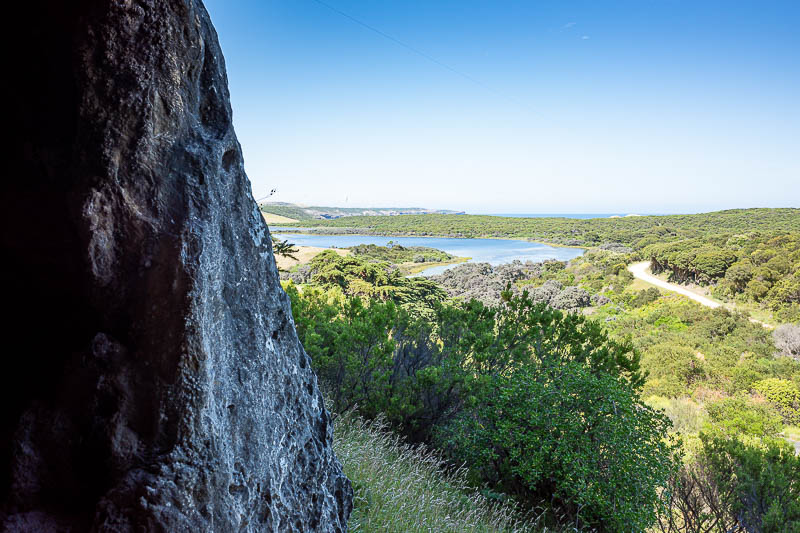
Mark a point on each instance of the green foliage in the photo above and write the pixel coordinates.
(687, 416)
(763, 482)
(439, 376)
(356, 276)
(737, 415)
(733, 485)
(380, 358)
(400, 254)
(760, 268)
(673, 370)
(561, 431)
(645, 296)
(783, 395)
(545, 405)
(350, 346)
(630, 231)
(688, 349)
(400, 488)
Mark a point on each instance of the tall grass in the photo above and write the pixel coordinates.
(400, 488)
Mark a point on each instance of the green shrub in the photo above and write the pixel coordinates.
(763, 482)
(673, 370)
(783, 395)
(741, 415)
(400, 488)
(565, 434)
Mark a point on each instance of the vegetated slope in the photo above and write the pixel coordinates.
(400, 488)
(298, 212)
(636, 232)
(762, 269)
(511, 390)
(495, 387)
(400, 254)
(750, 256)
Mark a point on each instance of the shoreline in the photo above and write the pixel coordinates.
(522, 239)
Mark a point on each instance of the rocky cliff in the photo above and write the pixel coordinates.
(151, 377)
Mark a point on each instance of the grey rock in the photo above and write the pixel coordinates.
(153, 380)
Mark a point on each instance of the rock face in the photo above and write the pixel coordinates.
(151, 379)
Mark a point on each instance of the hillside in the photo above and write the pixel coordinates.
(304, 213)
(636, 232)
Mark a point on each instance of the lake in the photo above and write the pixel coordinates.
(493, 251)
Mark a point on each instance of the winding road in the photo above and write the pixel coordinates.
(641, 271)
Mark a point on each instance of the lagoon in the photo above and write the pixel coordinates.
(493, 251)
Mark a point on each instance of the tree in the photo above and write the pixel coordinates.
(564, 434)
(553, 412)
(763, 481)
(783, 395)
(284, 248)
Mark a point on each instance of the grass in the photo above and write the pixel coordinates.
(415, 268)
(305, 254)
(271, 218)
(400, 488)
(792, 432)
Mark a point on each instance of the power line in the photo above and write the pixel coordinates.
(409, 47)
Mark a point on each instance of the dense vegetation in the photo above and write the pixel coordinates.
(635, 232)
(400, 254)
(456, 378)
(756, 268)
(653, 414)
(749, 256)
(356, 276)
(303, 213)
(400, 488)
(485, 282)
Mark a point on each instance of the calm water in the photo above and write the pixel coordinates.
(494, 251)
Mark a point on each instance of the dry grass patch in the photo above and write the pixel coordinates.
(276, 219)
(400, 488)
(304, 255)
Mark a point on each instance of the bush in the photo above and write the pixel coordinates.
(733, 486)
(763, 481)
(564, 434)
(645, 296)
(674, 370)
(742, 416)
(686, 415)
(783, 395)
(399, 488)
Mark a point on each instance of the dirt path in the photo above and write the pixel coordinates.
(641, 271)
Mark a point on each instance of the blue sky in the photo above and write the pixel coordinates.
(559, 106)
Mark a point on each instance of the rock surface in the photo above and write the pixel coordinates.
(152, 379)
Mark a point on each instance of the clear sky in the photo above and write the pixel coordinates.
(524, 106)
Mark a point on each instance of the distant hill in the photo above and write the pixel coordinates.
(301, 212)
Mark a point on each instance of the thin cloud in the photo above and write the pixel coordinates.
(568, 25)
(585, 37)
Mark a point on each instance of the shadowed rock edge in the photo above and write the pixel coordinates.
(154, 379)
